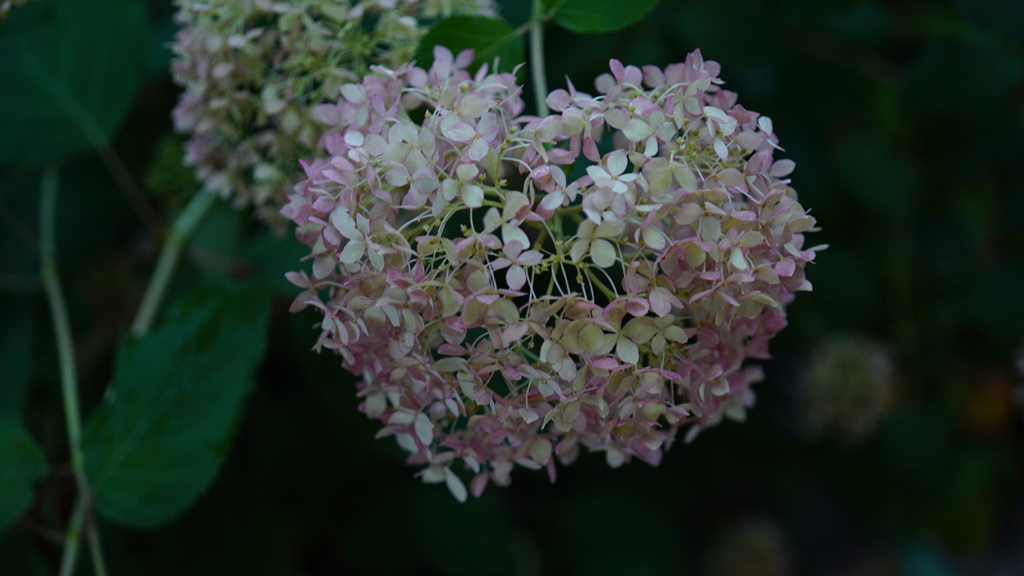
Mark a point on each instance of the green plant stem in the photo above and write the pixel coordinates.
(99, 567)
(181, 230)
(68, 374)
(72, 538)
(537, 68)
(608, 292)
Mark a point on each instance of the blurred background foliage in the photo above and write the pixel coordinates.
(906, 121)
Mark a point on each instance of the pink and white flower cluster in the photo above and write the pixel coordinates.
(253, 70)
(511, 288)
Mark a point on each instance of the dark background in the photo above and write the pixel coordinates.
(906, 121)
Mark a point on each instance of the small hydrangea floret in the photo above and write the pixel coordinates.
(511, 288)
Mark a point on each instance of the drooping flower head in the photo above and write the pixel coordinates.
(511, 288)
(253, 70)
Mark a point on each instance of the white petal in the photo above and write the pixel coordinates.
(627, 351)
(353, 138)
(376, 259)
(716, 113)
(617, 162)
(400, 418)
(473, 196)
(510, 233)
(615, 458)
(653, 238)
(353, 251)
(471, 105)
(552, 201)
(456, 130)
(721, 149)
(514, 202)
(478, 150)
(455, 485)
(424, 429)
(515, 277)
(492, 219)
(602, 253)
(467, 172)
(782, 168)
(737, 259)
(579, 248)
(636, 130)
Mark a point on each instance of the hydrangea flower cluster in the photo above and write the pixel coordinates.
(253, 70)
(511, 288)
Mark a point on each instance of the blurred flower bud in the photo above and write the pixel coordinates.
(847, 389)
(750, 548)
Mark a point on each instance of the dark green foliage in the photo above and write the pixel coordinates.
(593, 16)
(21, 459)
(487, 37)
(158, 439)
(21, 465)
(70, 71)
(16, 339)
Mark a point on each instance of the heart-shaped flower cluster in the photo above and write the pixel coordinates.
(512, 287)
(253, 70)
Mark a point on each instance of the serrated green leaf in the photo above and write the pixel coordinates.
(593, 16)
(70, 72)
(487, 37)
(21, 464)
(157, 441)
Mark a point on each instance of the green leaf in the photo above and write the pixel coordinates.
(157, 441)
(16, 334)
(487, 37)
(21, 460)
(21, 464)
(70, 72)
(592, 16)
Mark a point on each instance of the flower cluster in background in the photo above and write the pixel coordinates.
(750, 547)
(253, 70)
(848, 388)
(504, 308)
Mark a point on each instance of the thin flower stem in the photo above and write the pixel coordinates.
(181, 230)
(537, 69)
(99, 567)
(72, 538)
(66, 357)
(601, 286)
